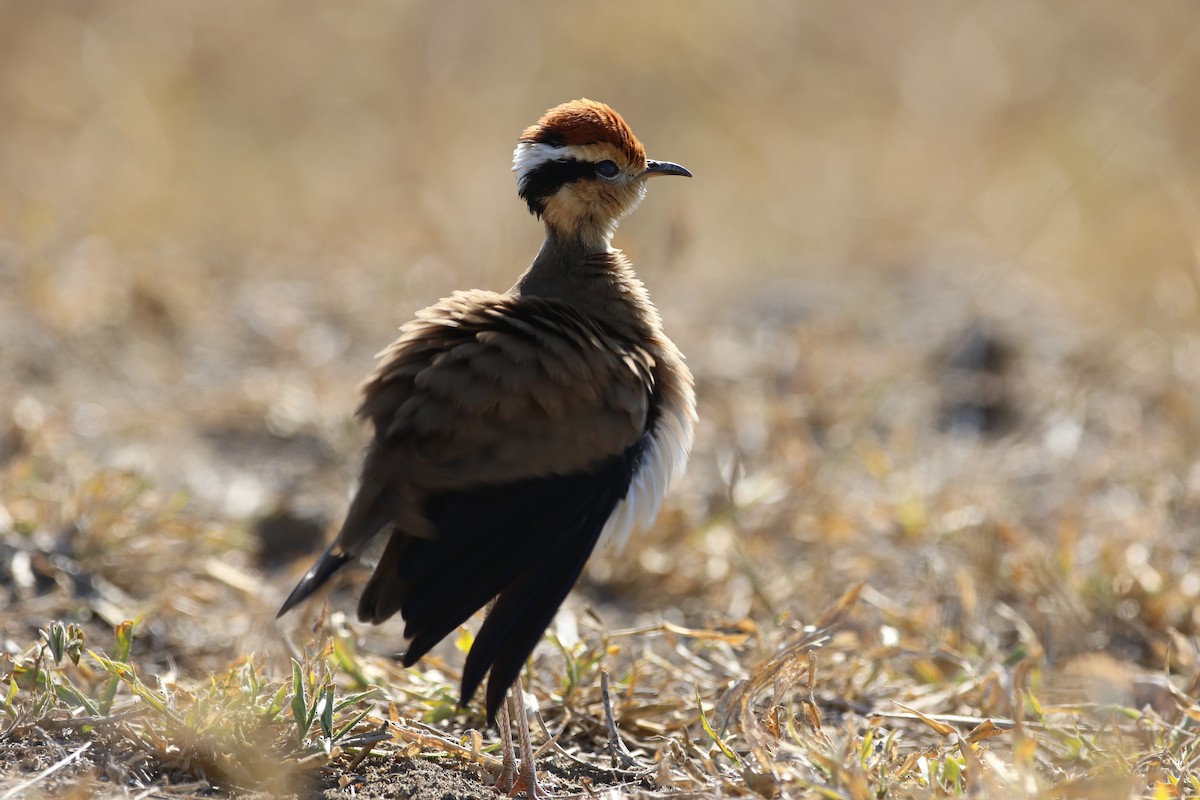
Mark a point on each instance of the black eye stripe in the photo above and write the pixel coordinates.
(541, 183)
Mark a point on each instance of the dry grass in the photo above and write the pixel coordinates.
(936, 277)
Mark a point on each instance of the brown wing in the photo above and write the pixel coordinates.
(482, 390)
(491, 389)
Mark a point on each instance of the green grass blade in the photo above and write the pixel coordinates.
(300, 710)
(732, 756)
(124, 632)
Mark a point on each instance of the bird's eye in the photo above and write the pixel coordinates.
(607, 169)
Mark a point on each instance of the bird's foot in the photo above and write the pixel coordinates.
(507, 782)
(527, 783)
(514, 782)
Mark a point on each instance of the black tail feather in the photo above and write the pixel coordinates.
(329, 563)
(435, 606)
(543, 578)
(521, 615)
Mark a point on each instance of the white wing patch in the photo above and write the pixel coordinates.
(664, 460)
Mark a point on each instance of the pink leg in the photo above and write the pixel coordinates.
(508, 770)
(528, 767)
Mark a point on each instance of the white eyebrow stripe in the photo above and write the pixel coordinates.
(530, 155)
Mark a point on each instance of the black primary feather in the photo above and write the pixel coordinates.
(526, 542)
(329, 563)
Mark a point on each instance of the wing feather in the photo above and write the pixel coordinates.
(501, 407)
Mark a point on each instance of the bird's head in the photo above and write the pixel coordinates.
(580, 168)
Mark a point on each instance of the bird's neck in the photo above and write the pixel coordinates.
(595, 278)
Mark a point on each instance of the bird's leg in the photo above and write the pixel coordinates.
(528, 776)
(508, 770)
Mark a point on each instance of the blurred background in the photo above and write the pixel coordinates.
(1031, 133)
(936, 274)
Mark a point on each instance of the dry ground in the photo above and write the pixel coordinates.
(936, 277)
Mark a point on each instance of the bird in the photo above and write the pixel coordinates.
(514, 431)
